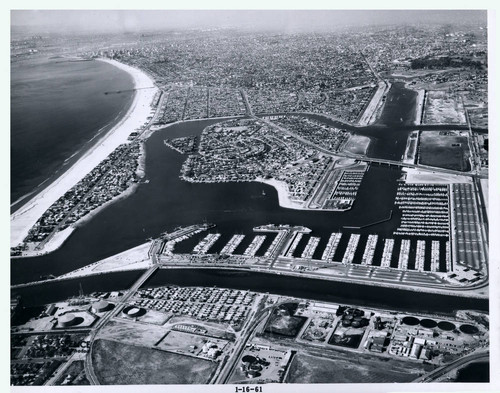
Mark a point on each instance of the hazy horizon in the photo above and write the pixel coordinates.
(285, 20)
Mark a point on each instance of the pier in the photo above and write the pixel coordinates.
(387, 253)
(310, 247)
(293, 246)
(254, 245)
(331, 246)
(351, 249)
(370, 223)
(404, 254)
(232, 244)
(435, 256)
(371, 244)
(207, 242)
(448, 257)
(275, 246)
(168, 240)
(344, 194)
(420, 256)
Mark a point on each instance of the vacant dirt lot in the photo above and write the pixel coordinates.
(444, 151)
(442, 107)
(312, 369)
(122, 364)
(133, 333)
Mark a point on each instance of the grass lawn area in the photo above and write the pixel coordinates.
(123, 364)
(444, 151)
(312, 369)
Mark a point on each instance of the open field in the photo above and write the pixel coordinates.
(187, 343)
(443, 107)
(357, 144)
(122, 364)
(151, 316)
(133, 333)
(312, 369)
(444, 149)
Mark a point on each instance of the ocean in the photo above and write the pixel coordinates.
(58, 110)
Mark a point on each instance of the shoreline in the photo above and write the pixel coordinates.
(419, 108)
(60, 237)
(374, 107)
(26, 216)
(19, 203)
(282, 191)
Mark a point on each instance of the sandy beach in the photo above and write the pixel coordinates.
(24, 218)
(374, 106)
(283, 195)
(133, 259)
(419, 107)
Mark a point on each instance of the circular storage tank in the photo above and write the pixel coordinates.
(468, 329)
(256, 367)
(248, 359)
(101, 306)
(134, 312)
(411, 321)
(428, 323)
(66, 320)
(253, 374)
(446, 326)
(346, 323)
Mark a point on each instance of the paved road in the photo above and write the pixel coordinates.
(89, 371)
(249, 111)
(367, 159)
(246, 334)
(477, 356)
(240, 346)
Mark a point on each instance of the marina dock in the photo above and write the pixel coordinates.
(404, 254)
(387, 253)
(254, 245)
(207, 242)
(420, 257)
(435, 256)
(426, 257)
(371, 244)
(331, 246)
(293, 246)
(235, 241)
(424, 210)
(310, 247)
(351, 249)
